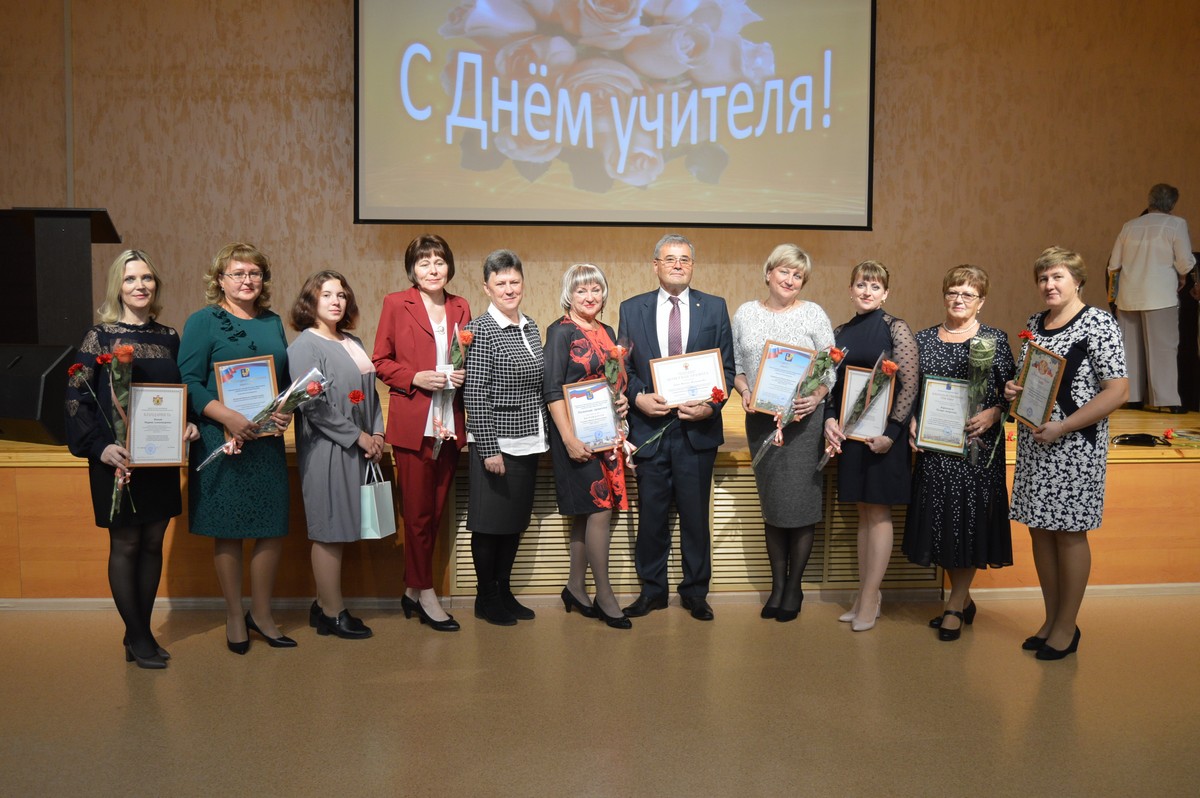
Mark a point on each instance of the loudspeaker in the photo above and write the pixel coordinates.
(33, 389)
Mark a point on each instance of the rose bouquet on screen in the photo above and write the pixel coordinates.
(300, 392)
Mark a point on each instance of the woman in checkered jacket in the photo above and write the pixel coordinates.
(508, 425)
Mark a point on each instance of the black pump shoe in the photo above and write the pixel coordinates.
(948, 635)
(153, 662)
(1033, 643)
(283, 641)
(968, 616)
(409, 606)
(343, 626)
(448, 625)
(163, 654)
(569, 601)
(1045, 652)
(618, 622)
(238, 648)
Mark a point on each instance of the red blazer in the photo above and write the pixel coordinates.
(404, 345)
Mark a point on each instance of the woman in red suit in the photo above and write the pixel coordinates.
(412, 356)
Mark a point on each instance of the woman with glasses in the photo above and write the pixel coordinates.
(243, 496)
(958, 515)
(137, 527)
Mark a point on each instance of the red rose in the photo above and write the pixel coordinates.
(124, 353)
(888, 367)
(1169, 434)
(466, 337)
(836, 354)
(1025, 335)
(718, 395)
(103, 360)
(75, 368)
(313, 388)
(356, 397)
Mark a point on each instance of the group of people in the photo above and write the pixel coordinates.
(494, 380)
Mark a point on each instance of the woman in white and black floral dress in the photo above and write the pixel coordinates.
(1058, 487)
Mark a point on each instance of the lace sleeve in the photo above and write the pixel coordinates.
(906, 357)
(88, 432)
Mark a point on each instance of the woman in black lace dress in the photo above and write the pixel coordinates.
(132, 301)
(958, 516)
(874, 474)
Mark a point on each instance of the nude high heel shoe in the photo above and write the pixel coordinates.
(863, 626)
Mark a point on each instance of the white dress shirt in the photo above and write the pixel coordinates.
(663, 319)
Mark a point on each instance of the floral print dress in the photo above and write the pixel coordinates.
(574, 354)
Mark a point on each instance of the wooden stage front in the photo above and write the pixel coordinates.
(50, 547)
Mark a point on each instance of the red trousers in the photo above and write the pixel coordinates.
(424, 485)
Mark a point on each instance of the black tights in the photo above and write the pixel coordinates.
(493, 556)
(788, 549)
(134, 568)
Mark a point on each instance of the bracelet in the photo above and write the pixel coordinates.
(376, 434)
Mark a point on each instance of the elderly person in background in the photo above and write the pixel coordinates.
(337, 435)
(958, 514)
(1058, 486)
(589, 486)
(508, 425)
(127, 318)
(874, 474)
(1152, 258)
(789, 485)
(412, 356)
(244, 496)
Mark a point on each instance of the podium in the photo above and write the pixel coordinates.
(48, 255)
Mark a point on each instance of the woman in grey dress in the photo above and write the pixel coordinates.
(338, 434)
(789, 485)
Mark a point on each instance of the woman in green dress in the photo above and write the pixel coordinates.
(242, 496)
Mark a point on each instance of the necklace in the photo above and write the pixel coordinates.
(968, 328)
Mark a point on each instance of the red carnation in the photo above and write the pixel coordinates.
(74, 369)
(718, 395)
(313, 388)
(1025, 335)
(356, 397)
(103, 360)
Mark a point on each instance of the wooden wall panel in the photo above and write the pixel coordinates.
(10, 536)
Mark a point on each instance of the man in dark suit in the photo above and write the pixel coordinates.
(674, 320)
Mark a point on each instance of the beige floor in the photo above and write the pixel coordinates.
(565, 706)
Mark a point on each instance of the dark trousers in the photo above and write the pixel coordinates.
(674, 471)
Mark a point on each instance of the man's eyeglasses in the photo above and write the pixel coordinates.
(671, 260)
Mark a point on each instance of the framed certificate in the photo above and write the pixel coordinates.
(945, 408)
(687, 378)
(1041, 374)
(592, 414)
(780, 371)
(157, 421)
(874, 421)
(246, 385)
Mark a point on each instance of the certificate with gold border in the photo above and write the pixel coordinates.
(1041, 374)
(157, 422)
(246, 385)
(942, 423)
(592, 414)
(687, 378)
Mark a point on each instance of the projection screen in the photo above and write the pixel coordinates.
(679, 112)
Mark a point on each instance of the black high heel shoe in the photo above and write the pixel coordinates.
(569, 601)
(163, 654)
(239, 648)
(448, 625)
(619, 622)
(948, 635)
(768, 612)
(283, 641)
(152, 663)
(968, 616)
(784, 616)
(1033, 643)
(410, 607)
(1046, 652)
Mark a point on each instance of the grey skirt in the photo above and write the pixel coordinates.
(789, 487)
